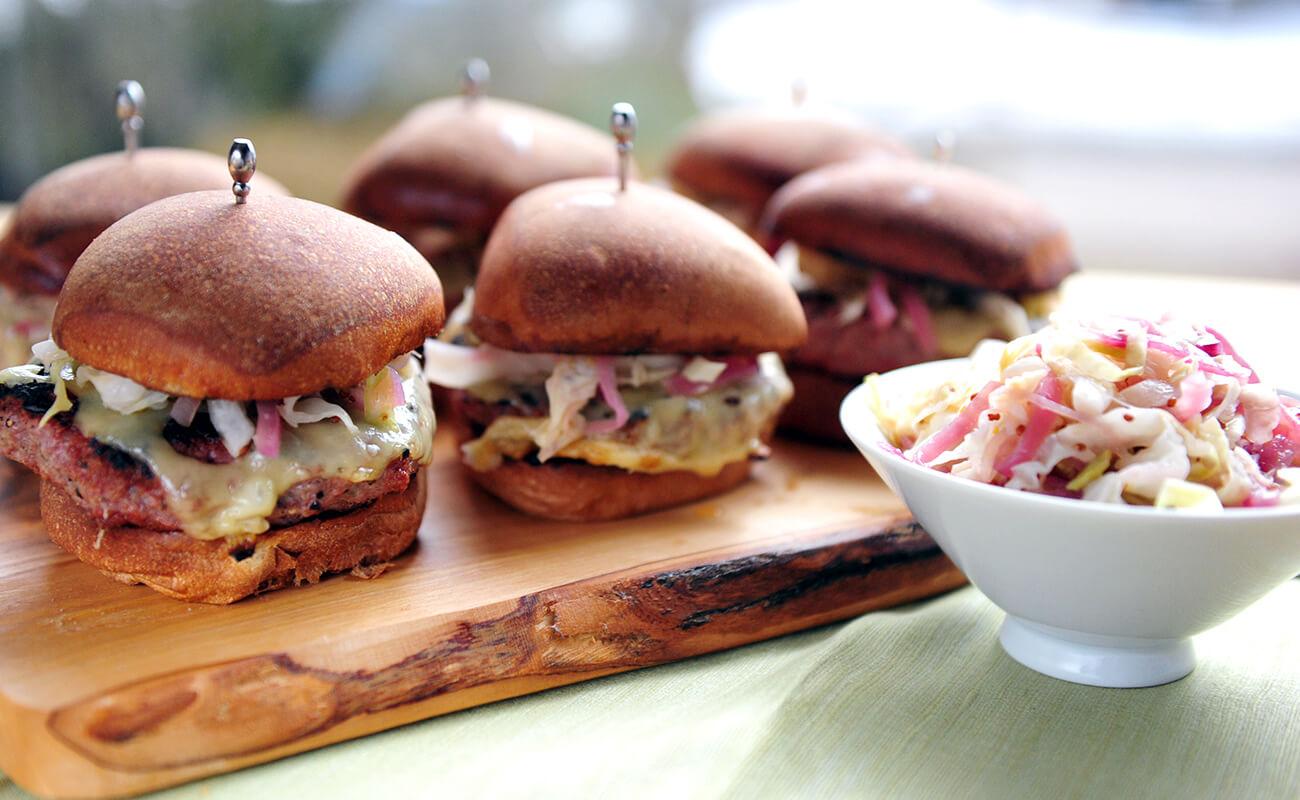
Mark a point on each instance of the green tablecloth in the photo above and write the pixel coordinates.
(914, 702)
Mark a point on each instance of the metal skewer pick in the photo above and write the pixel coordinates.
(474, 77)
(129, 101)
(242, 161)
(622, 123)
(945, 144)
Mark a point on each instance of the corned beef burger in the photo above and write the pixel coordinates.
(619, 354)
(444, 174)
(902, 262)
(733, 161)
(229, 403)
(59, 215)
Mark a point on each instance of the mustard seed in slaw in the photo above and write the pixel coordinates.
(1158, 413)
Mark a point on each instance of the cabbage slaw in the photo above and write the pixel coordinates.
(375, 399)
(1162, 413)
(573, 383)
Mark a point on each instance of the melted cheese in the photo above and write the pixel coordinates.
(700, 434)
(235, 499)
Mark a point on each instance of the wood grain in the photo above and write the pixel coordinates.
(108, 689)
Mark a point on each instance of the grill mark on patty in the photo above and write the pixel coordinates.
(36, 398)
(119, 459)
(199, 441)
(477, 414)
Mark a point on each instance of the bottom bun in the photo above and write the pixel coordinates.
(814, 413)
(573, 490)
(219, 571)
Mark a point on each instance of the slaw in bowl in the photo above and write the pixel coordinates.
(1123, 411)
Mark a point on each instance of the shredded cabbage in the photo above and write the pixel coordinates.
(458, 319)
(230, 418)
(1182, 494)
(119, 394)
(24, 373)
(1147, 412)
(569, 388)
(460, 367)
(47, 351)
(702, 370)
(304, 410)
(232, 423)
(588, 400)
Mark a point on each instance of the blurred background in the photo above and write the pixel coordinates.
(1166, 134)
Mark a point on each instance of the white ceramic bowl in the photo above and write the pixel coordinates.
(1095, 593)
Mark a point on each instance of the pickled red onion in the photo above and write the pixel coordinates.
(1117, 340)
(1054, 406)
(1165, 347)
(1289, 425)
(267, 437)
(1196, 396)
(396, 394)
(881, 309)
(1214, 369)
(950, 435)
(1037, 427)
(1232, 352)
(609, 393)
(184, 409)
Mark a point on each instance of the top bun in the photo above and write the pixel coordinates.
(458, 162)
(743, 156)
(61, 213)
(922, 218)
(581, 267)
(199, 297)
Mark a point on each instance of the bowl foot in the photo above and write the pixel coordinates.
(1113, 661)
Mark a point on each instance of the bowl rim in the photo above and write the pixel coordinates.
(862, 426)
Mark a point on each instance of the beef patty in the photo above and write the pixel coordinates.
(476, 415)
(119, 489)
(857, 348)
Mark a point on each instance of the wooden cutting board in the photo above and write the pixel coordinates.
(108, 689)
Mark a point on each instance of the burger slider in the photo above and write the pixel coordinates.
(444, 174)
(618, 357)
(60, 214)
(733, 161)
(229, 403)
(904, 262)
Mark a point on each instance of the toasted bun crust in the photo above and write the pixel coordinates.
(61, 213)
(572, 490)
(580, 267)
(459, 163)
(743, 156)
(217, 571)
(197, 296)
(814, 412)
(936, 220)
